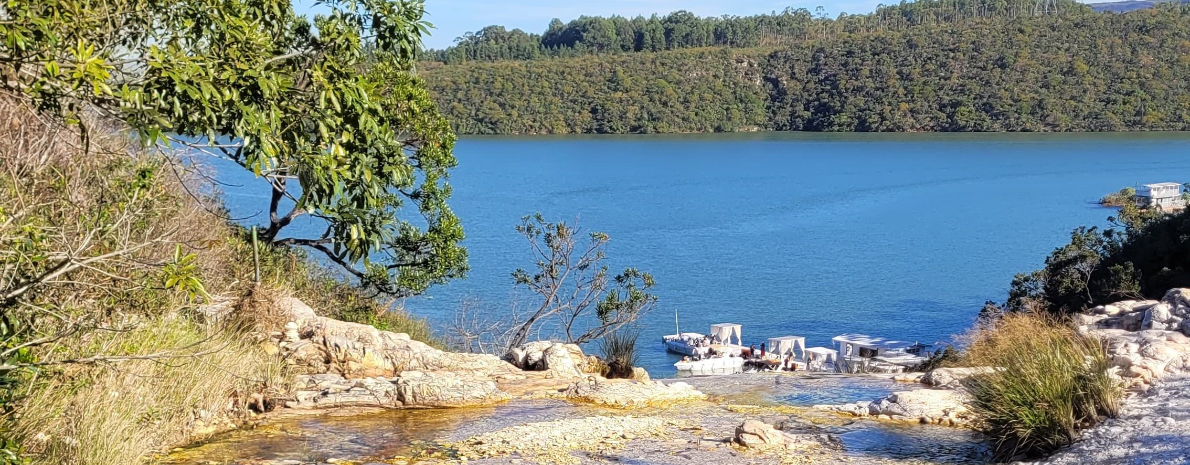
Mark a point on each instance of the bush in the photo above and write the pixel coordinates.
(1119, 198)
(1052, 382)
(123, 369)
(619, 352)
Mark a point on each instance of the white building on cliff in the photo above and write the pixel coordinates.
(1163, 196)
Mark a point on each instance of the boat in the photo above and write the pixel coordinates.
(686, 344)
(698, 345)
(860, 353)
(724, 340)
(711, 366)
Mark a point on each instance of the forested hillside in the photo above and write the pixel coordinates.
(978, 65)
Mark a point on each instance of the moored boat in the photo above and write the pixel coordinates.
(686, 344)
(711, 366)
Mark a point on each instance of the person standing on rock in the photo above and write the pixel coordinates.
(762, 351)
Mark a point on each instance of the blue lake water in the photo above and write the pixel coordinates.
(902, 236)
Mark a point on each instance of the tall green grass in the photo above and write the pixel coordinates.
(1052, 382)
(619, 352)
(123, 412)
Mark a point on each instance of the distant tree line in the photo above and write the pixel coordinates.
(977, 65)
(682, 29)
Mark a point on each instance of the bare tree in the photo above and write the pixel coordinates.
(577, 297)
(478, 329)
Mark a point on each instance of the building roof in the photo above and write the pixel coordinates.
(871, 342)
(1163, 184)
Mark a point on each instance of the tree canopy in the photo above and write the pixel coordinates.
(329, 104)
(977, 65)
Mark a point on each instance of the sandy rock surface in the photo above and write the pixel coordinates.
(622, 393)
(350, 364)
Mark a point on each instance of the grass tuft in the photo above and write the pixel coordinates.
(619, 352)
(122, 412)
(1053, 382)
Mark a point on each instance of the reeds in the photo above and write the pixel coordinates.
(619, 352)
(1052, 382)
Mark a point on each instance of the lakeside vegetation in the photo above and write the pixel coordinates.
(921, 66)
(1119, 198)
(111, 248)
(1051, 383)
(132, 316)
(1054, 381)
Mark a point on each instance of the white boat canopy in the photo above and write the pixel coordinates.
(870, 342)
(786, 345)
(822, 354)
(724, 331)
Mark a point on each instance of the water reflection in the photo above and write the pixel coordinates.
(365, 436)
(928, 442)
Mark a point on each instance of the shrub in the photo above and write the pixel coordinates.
(619, 352)
(1052, 382)
(1119, 198)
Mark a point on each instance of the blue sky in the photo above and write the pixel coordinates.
(453, 18)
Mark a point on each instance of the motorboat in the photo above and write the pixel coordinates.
(723, 340)
(860, 353)
(687, 344)
(711, 366)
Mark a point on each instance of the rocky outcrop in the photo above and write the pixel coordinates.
(945, 407)
(757, 434)
(1145, 339)
(558, 359)
(622, 393)
(356, 350)
(1171, 313)
(412, 389)
(754, 434)
(348, 364)
(950, 378)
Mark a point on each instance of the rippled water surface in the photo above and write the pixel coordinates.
(902, 236)
(378, 435)
(383, 435)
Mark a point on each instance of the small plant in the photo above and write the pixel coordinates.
(619, 352)
(182, 274)
(1052, 382)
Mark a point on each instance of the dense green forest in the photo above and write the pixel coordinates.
(966, 65)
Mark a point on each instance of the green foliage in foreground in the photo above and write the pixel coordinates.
(1080, 71)
(325, 110)
(1051, 383)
